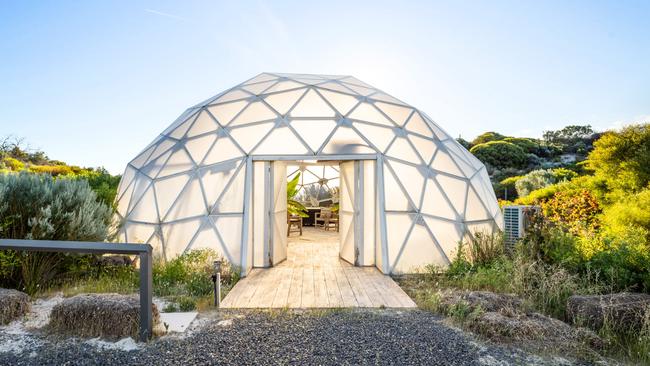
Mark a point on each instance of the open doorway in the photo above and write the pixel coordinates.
(309, 212)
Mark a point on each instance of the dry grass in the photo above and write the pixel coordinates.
(109, 316)
(13, 304)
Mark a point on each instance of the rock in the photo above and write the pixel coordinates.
(535, 329)
(623, 311)
(487, 301)
(13, 305)
(114, 261)
(109, 316)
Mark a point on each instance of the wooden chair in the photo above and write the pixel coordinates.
(326, 219)
(322, 218)
(294, 221)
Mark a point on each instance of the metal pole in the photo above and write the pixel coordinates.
(217, 294)
(146, 286)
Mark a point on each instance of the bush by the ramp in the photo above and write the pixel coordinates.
(109, 316)
(13, 304)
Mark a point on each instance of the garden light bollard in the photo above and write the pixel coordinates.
(216, 280)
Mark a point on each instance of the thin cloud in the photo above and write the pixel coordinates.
(163, 14)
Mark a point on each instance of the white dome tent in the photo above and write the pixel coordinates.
(215, 178)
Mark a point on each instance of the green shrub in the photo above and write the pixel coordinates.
(576, 211)
(36, 206)
(500, 154)
(186, 303)
(623, 157)
(13, 164)
(191, 274)
(487, 137)
(52, 170)
(170, 308)
(506, 188)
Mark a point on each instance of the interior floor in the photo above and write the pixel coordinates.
(313, 276)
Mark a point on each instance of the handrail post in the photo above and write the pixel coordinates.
(146, 293)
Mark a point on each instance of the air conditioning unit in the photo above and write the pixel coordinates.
(515, 223)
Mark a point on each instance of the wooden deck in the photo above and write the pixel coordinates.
(313, 276)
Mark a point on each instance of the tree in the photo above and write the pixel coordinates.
(500, 154)
(571, 139)
(623, 158)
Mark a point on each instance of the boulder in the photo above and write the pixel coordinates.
(109, 316)
(13, 305)
(622, 311)
(534, 330)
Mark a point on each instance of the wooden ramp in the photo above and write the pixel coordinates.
(314, 277)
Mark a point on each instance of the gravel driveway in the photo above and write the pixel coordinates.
(346, 337)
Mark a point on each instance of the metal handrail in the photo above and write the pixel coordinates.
(143, 250)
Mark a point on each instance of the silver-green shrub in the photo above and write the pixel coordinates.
(37, 206)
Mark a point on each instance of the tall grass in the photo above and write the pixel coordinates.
(186, 279)
(481, 264)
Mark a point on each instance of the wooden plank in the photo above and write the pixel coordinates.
(374, 294)
(281, 296)
(376, 280)
(357, 287)
(346, 290)
(246, 298)
(398, 298)
(333, 293)
(267, 288)
(307, 300)
(242, 291)
(295, 289)
(320, 289)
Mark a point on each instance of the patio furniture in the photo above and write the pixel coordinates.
(294, 222)
(326, 219)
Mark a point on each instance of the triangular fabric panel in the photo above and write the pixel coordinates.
(199, 146)
(381, 137)
(190, 203)
(203, 123)
(343, 103)
(396, 113)
(223, 149)
(224, 113)
(436, 203)
(314, 132)
(413, 181)
(248, 137)
(368, 113)
(346, 141)
(312, 105)
(178, 162)
(145, 209)
(456, 191)
(281, 141)
(216, 178)
(282, 102)
(402, 149)
(168, 190)
(254, 112)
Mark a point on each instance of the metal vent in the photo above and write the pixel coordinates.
(514, 224)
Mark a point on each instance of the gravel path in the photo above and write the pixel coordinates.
(359, 337)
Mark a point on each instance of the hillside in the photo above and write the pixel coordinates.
(16, 156)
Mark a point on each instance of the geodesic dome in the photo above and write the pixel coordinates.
(186, 189)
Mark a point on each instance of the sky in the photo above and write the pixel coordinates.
(92, 83)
